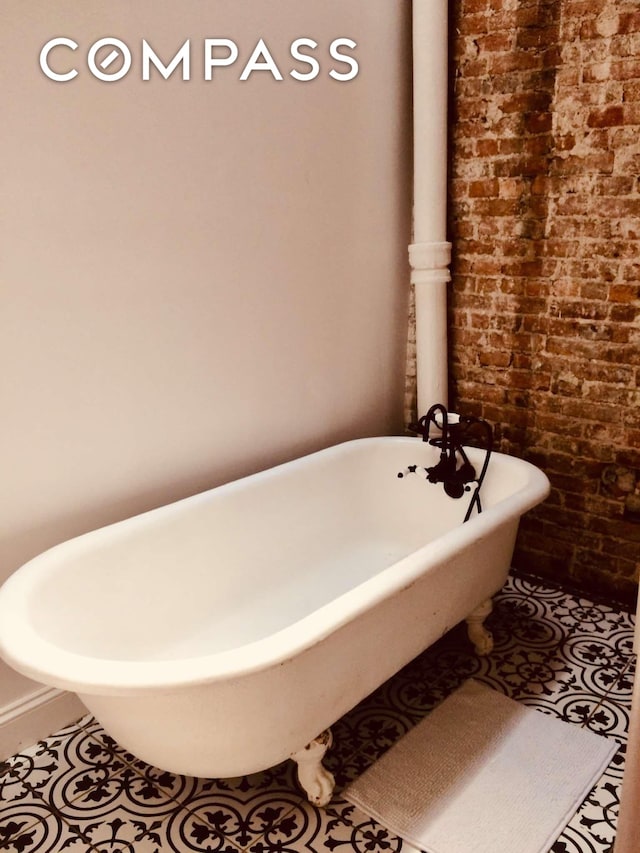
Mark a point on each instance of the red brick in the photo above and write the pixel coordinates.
(625, 69)
(503, 63)
(471, 7)
(624, 292)
(488, 188)
(629, 22)
(608, 117)
(522, 102)
(538, 122)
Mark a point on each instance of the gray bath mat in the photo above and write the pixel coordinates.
(482, 774)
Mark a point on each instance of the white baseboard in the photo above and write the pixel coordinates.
(36, 716)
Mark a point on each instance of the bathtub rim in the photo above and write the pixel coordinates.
(36, 657)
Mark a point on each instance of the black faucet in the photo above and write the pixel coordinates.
(454, 470)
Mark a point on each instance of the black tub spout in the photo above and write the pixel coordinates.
(454, 470)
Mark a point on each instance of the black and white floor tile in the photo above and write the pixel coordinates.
(78, 790)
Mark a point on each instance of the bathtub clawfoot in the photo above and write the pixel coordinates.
(480, 636)
(316, 780)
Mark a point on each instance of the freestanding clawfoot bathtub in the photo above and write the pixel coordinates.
(219, 635)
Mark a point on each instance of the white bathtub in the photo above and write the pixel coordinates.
(219, 635)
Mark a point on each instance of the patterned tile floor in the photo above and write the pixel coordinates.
(78, 790)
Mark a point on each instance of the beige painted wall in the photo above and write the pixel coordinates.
(197, 279)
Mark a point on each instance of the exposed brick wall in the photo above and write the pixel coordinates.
(544, 305)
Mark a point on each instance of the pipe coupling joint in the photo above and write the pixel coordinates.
(440, 276)
(429, 256)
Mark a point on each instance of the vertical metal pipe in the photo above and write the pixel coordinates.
(430, 90)
(430, 253)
